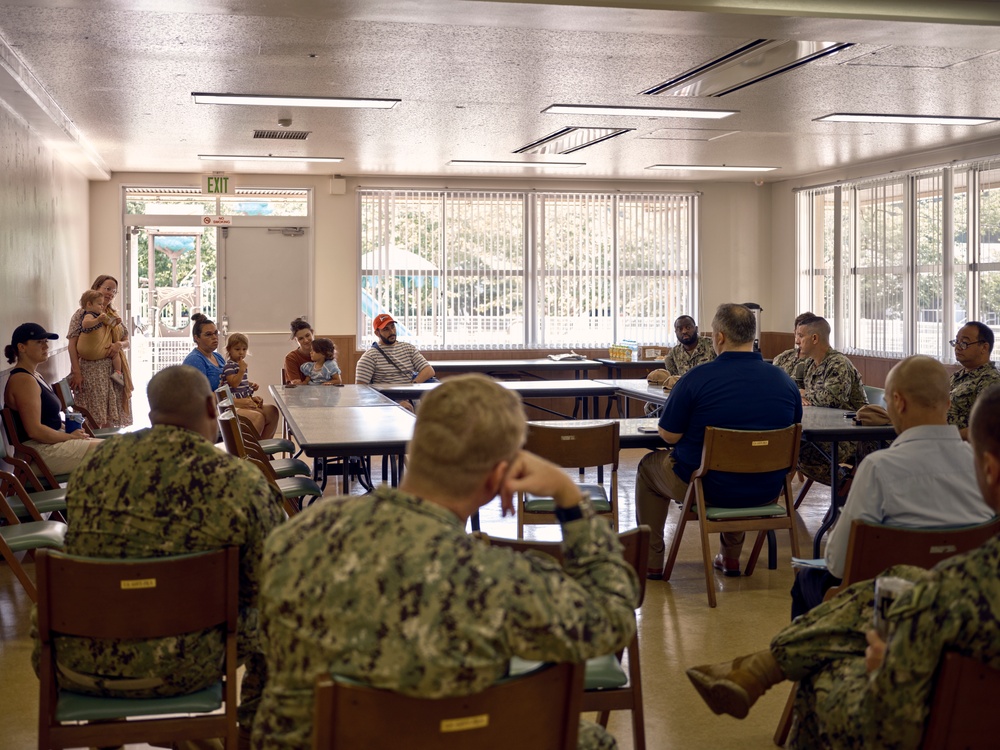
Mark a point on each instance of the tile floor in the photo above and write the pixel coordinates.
(677, 630)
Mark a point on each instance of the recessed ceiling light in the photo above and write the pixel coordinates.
(529, 164)
(245, 157)
(704, 168)
(588, 109)
(263, 100)
(570, 139)
(907, 119)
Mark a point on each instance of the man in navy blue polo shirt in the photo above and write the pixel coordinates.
(738, 391)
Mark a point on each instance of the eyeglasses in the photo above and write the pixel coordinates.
(963, 345)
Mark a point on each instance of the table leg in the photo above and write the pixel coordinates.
(831, 514)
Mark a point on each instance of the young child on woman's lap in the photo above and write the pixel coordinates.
(323, 370)
(234, 372)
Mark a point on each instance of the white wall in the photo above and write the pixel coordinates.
(44, 243)
(734, 230)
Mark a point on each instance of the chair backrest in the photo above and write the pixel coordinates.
(538, 711)
(231, 435)
(962, 705)
(224, 396)
(23, 451)
(570, 447)
(635, 550)
(150, 598)
(875, 395)
(749, 451)
(65, 393)
(871, 548)
(10, 486)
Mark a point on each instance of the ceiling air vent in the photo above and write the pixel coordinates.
(282, 135)
(751, 63)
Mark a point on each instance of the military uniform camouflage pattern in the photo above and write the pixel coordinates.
(835, 382)
(158, 492)
(389, 590)
(786, 360)
(966, 385)
(954, 606)
(678, 361)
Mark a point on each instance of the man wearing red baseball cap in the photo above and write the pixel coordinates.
(391, 361)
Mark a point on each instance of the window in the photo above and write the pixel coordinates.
(462, 269)
(918, 256)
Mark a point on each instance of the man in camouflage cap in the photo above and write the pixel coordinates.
(854, 689)
(973, 345)
(831, 380)
(167, 490)
(389, 589)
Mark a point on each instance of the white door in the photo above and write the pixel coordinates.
(265, 281)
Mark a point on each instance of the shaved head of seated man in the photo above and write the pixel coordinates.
(925, 479)
(856, 690)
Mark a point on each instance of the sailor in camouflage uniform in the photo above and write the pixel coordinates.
(390, 590)
(163, 491)
(848, 698)
(831, 380)
(789, 360)
(973, 346)
(692, 349)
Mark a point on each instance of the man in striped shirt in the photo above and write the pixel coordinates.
(390, 361)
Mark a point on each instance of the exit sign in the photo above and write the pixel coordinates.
(217, 185)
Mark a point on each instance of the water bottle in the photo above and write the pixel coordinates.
(74, 421)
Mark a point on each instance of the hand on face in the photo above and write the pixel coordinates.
(531, 473)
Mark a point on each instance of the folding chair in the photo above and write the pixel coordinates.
(270, 446)
(608, 685)
(28, 454)
(962, 706)
(742, 452)
(293, 489)
(42, 501)
(871, 548)
(573, 446)
(136, 599)
(282, 467)
(537, 711)
(68, 401)
(24, 536)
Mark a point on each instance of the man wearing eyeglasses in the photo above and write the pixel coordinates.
(973, 346)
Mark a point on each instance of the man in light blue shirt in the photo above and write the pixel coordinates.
(926, 479)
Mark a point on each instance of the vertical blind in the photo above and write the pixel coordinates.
(466, 269)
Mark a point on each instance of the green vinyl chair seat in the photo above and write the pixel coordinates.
(602, 672)
(78, 707)
(290, 467)
(270, 446)
(298, 487)
(597, 493)
(48, 501)
(34, 534)
(726, 514)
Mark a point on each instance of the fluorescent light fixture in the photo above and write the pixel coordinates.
(596, 109)
(263, 100)
(907, 119)
(570, 139)
(706, 168)
(246, 157)
(529, 164)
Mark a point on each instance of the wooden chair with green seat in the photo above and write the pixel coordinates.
(66, 398)
(573, 447)
(30, 455)
(742, 452)
(270, 446)
(42, 500)
(293, 489)
(18, 536)
(871, 548)
(138, 599)
(536, 711)
(282, 467)
(608, 685)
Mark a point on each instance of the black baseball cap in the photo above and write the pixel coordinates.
(30, 332)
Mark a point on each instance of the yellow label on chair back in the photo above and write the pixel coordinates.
(758, 443)
(567, 437)
(139, 583)
(465, 723)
